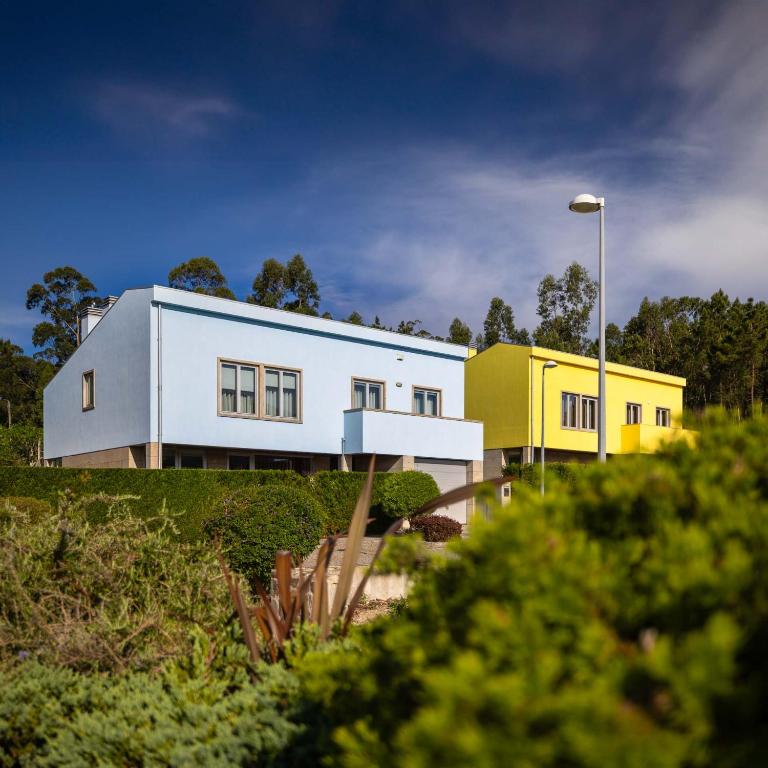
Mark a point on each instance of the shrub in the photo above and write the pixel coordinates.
(254, 524)
(192, 494)
(564, 471)
(338, 492)
(402, 493)
(121, 594)
(618, 622)
(33, 509)
(56, 717)
(436, 527)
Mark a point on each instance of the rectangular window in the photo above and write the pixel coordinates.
(281, 393)
(634, 413)
(89, 390)
(569, 417)
(367, 394)
(589, 413)
(191, 460)
(239, 461)
(238, 389)
(426, 401)
(662, 417)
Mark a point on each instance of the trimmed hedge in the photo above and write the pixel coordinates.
(34, 509)
(258, 522)
(192, 494)
(338, 492)
(565, 471)
(404, 492)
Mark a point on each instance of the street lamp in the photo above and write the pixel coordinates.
(592, 204)
(549, 364)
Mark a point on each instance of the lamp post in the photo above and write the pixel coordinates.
(549, 364)
(592, 204)
(8, 404)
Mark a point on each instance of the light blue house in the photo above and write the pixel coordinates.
(176, 379)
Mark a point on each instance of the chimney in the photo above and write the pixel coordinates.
(106, 305)
(88, 319)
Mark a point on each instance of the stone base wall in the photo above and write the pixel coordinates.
(126, 457)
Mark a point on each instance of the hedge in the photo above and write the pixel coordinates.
(338, 492)
(192, 494)
(565, 471)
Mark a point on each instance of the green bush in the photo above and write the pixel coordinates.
(191, 493)
(402, 493)
(620, 621)
(56, 717)
(254, 524)
(338, 492)
(33, 508)
(565, 471)
(121, 594)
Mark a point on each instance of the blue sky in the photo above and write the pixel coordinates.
(420, 155)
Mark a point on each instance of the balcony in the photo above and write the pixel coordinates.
(645, 438)
(406, 434)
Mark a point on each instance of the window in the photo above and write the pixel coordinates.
(589, 413)
(239, 461)
(238, 389)
(89, 390)
(662, 417)
(183, 458)
(426, 401)
(569, 418)
(368, 394)
(281, 393)
(256, 391)
(634, 413)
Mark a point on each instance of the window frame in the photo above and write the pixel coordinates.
(88, 404)
(595, 400)
(639, 407)
(425, 389)
(368, 382)
(576, 427)
(177, 451)
(260, 372)
(667, 412)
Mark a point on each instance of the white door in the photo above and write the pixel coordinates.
(448, 475)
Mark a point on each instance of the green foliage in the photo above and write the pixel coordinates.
(192, 494)
(620, 621)
(122, 594)
(530, 474)
(436, 527)
(22, 379)
(402, 493)
(254, 524)
(499, 325)
(32, 509)
(61, 297)
(200, 275)
(56, 717)
(288, 286)
(565, 307)
(20, 445)
(459, 332)
(339, 491)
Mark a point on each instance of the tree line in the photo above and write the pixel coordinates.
(719, 345)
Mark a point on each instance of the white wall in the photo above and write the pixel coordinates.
(192, 341)
(118, 350)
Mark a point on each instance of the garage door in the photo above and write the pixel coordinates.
(448, 475)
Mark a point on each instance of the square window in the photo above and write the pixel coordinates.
(663, 417)
(634, 413)
(426, 402)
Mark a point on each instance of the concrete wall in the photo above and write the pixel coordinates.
(194, 337)
(118, 351)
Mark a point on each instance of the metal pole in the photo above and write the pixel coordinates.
(601, 419)
(543, 371)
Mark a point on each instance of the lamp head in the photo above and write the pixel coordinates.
(550, 364)
(585, 204)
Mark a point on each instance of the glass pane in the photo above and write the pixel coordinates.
(432, 403)
(418, 401)
(358, 399)
(572, 410)
(374, 396)
(247, 390)
(228, 387)
(290, 395)
(272, 392)
(169, 459)
(564, 411)
(191, 461)
(239, 462)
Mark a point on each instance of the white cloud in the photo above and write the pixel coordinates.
(149, 111)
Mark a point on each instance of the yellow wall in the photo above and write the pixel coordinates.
(498, 392)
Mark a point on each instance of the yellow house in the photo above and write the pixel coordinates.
(503, 389)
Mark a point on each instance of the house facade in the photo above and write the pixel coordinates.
(170, 378)
(504, 391)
